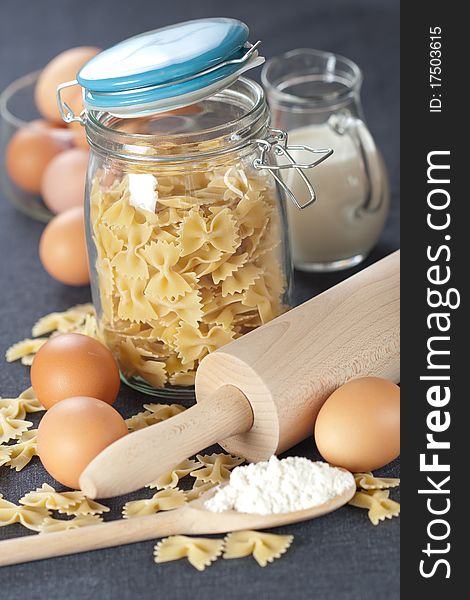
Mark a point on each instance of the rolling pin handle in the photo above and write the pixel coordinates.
(124, 466)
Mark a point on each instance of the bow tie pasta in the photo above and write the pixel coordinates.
(202, 269)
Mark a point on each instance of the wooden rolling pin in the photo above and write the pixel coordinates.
(260, 394)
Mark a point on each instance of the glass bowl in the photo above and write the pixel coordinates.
(17, 108)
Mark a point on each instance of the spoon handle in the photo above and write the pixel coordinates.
(191, 519)
(140, 457)
(105, 535)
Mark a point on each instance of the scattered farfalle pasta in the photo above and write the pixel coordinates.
(29, 517)
(85, 507)
(367, 481)
(164, 411)
(23, 451)
(63, 322)
(47, 497)
(165, 500)
(184, 279)
(78, 319)
(153, 413)
(200, 552)
(171, 479)
(215, 468)
(26, 402)
(264, 547)
(25, 349)
(377, 503)
(199, 487)
(11, 428)
(51, 525)
(5, 453)
(140, 421)
(69, 503)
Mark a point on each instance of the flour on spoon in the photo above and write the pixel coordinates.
(280, 486)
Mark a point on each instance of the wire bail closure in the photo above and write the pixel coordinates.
(66, 113)
(277, 143)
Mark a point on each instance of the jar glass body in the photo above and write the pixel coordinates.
(315, 97)
(186, 238)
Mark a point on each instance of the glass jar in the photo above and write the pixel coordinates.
(186, 233)
(315, 97)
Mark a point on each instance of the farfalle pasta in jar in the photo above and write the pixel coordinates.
(186, 228)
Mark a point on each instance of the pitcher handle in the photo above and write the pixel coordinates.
(376, 176)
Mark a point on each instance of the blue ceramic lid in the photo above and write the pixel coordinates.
(167, 67)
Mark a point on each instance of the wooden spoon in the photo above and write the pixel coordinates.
(192, 519)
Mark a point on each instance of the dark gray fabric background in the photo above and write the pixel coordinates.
(341, 556)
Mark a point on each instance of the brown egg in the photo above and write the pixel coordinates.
(358, 427)
(64, 67)
(79, 136)
(62, 248)
(43, 124)
(63, 182)
(29, 152)
(74, 365)
(73, 432)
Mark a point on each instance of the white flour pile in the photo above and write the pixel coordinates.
(280, 486)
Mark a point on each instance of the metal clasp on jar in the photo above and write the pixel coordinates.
(66, 113)
(276, 142)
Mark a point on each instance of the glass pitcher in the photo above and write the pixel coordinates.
(315, 97)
